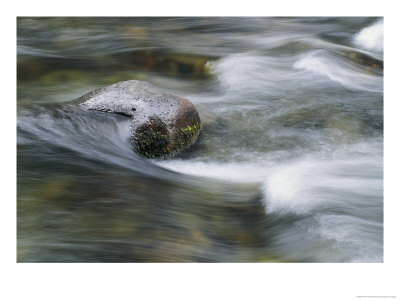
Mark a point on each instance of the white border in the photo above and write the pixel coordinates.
(199, 281)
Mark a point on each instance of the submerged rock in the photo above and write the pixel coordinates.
(173, 64)
(368, 62)
(161, 124)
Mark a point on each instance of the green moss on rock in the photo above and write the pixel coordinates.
(188, 134)
(152, 140)
(152, 144)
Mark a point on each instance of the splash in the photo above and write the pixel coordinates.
(371, 37)
(343, 71)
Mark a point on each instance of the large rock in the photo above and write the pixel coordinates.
(161, 124)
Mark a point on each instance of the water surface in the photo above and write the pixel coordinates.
(288, 166)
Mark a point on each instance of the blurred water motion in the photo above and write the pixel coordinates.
(288, 167)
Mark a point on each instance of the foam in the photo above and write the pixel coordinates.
(371, 37)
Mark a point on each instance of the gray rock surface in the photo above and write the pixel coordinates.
(161, 124)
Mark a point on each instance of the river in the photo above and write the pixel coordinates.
(288, 166)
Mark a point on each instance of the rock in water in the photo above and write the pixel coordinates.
(161, 124)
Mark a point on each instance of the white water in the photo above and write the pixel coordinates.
(338, 197)
(320, 62)
(333, 182)
(371, 37)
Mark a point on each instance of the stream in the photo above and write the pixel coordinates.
(288, 166)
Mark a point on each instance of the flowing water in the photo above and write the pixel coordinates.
(288, 166)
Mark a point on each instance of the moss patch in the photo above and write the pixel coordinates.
(187, 134)
(152, 144)
(152, 140)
